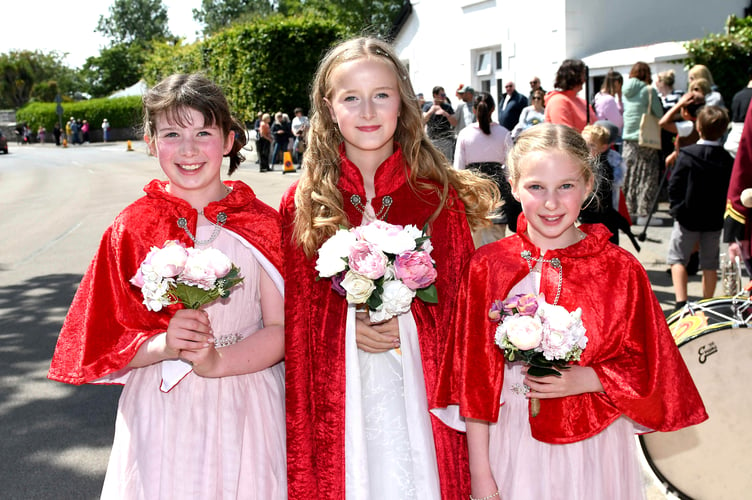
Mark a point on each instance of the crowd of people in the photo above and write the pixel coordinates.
(369, 351)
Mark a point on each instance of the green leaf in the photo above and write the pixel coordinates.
(429, 294)
(537, 371)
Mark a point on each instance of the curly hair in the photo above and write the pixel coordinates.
(173, 96)
(319, 204)
(570, 74)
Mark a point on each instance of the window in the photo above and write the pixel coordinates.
(483, 63)
(485, 86)
(498, 59)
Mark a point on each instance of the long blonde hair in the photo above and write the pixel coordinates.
(319, 204)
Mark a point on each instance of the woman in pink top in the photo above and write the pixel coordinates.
(562, 105)
(608, 105)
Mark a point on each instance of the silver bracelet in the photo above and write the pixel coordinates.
(489, 497)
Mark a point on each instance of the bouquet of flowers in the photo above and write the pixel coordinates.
(380, 265)
(546, 337)
(189, 276)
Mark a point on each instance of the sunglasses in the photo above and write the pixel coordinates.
(534, 83)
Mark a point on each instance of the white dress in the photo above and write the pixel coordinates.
(389, 447)
(205, 438)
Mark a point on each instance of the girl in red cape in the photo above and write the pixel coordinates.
(630, 376)
(202, 411)
(358, 424)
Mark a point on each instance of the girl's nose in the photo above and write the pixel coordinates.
(188, 146)
(367, 109)
(551, 201)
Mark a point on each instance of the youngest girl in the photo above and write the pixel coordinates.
(581, 443)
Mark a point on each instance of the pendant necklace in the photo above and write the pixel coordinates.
(386, 203)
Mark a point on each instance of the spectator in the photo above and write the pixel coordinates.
(421, 100)
(664, 84)
(439, 118)
(105, 130)
(739, 106)
(264, 144)
(531, 115)
(680, 119)
(700, 71)
(563, 106)
(56, 133)
(300, 126)
(85, 131)
(643, 163)
(482, 147)
(465, 112)
(697, 197)
(608, 103)
(281, 139)
(535, 85)
(511, 107)
(41, 132)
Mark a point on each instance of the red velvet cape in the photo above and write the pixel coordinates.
(737, 215)
(315, 318)
(629, 344)
(107, 321)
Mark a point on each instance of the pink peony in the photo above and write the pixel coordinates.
(203, 267)
(524, 332)
(367, 260)
(169, 260)
(415, 269)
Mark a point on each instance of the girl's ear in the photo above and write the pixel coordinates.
(515, 193)
(229, 142)
(331, 110)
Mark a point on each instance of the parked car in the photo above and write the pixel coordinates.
(3, 144)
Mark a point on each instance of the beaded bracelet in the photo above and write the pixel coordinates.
(489, 497)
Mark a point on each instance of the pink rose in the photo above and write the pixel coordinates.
(367, 260)
(169, 260)
(524, 332)
(203, 267)
(415, 269)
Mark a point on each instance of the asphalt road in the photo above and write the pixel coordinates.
(54, 205)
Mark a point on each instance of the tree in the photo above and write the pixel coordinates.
(25, 74)
(117, 67)
(374, 17)
(726, 55)
(138, 21)
(219, 14)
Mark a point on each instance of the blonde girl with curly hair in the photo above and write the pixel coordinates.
(358, 393)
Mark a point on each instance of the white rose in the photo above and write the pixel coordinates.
(358, 287)
(334, 252)
(396, 300)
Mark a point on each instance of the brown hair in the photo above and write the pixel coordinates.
(175, 94)
(641, 71)
(570, 74)
(712, 122)
(318, 202)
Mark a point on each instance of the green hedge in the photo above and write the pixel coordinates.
(266, 65)
(122, 112)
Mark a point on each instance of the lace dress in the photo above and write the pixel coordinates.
(389, 447)
(604, 466)
(218, 438)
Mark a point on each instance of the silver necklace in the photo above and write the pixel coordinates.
(386, 203)
(221, 219)
(555, 263)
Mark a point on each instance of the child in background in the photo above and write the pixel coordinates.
(697, 198)
(202, 411)
(581, 444)
(357, 392)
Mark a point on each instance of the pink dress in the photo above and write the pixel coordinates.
(218, 438)
(603, 466)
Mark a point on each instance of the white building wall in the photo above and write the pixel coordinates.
(442, 39)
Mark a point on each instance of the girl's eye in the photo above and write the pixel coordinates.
(535, 187)
(382, 95)
(567, 186)
(171, 134)
(350, 98)
(204, 133)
